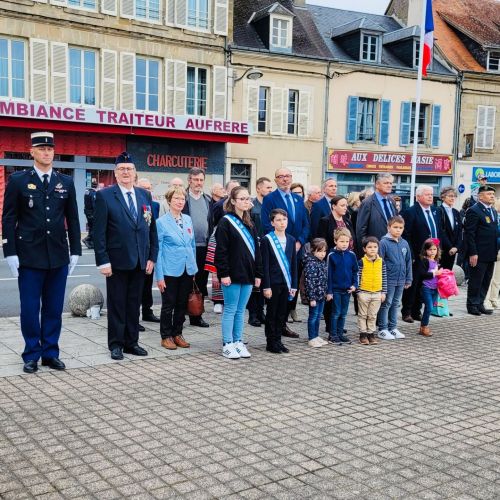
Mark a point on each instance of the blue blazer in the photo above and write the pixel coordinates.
(156, 209)
(320, 209)
(177, 248)
(416, 228)
(299, 228)
(119, 239)
(272, 273)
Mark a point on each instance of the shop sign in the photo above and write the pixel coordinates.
(140, 119)
(397, 163)
(492, 173)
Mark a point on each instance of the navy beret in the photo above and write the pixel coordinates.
(124, 158)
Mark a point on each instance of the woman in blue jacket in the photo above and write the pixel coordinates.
(175, 268)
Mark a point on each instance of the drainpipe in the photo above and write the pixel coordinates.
(456, 135)
(325, 124)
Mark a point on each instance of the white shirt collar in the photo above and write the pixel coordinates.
(125, 191)
(423, 208)
(40, 173)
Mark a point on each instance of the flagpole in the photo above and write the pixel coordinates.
(417, 106)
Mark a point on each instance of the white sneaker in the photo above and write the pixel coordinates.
(397, 334)
(242, 350)
(316, 342)
(323, 341)
(229, 351)
(385, 335)
(218, 308)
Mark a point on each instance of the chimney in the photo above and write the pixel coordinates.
(408, 12)
(299, 3)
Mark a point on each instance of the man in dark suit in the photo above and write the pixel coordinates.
(126, 247)
(298, 221)
(147, 291)
(421, 223)
(451, 227)
(322, 207)
(375, 211)
(481, 234)
(39, 204)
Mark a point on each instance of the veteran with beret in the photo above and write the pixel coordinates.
(40, 217)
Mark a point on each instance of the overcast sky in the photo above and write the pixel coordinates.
(372, 6)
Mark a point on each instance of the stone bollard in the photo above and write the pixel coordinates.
(83, 297)
(459, 275)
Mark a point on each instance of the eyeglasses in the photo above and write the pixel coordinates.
(281, 177)
(247, 198)
(125, 169)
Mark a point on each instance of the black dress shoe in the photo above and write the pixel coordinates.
(254, 322)
(273, 349)
(117, 353)
(483, 310)
(151, 318)
(408, 319)
(288, 333)
(199, 322)
(30, 367)
(284, 348)
(474, 311)
(141, 328)
(135, 350)
(54, 363)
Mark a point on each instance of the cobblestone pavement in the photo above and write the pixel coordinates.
(415, 418)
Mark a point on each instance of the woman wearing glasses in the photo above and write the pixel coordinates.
(239, 268)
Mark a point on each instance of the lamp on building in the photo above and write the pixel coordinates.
(251, 74)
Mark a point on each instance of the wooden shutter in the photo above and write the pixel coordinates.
(127, 9)
(59, 72)
(221, 9)
(485, 136)
(385, 116)
(181, 13)
(252, 107)
(61, 3)
(180, 88)
(352, 119)
(405, 125)
(304, 119)
(108, 7)
(169, 86)
(109, 71)
(127, 80)
(276, 123)
(436, 125)
(39, 62)
(220, 91)
(170, 12)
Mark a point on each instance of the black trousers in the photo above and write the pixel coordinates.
(174, 304)
(255, 304)
(124, 292)
(201, 277)
(147, 295)
(412, 301)
(447, 261)
(292, 304)
(479, 282)
(276, 314)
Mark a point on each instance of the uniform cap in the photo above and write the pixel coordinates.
(42, 139)
(481, 177)
(483, 189)
(124, 158)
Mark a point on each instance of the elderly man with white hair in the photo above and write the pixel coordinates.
(313, 196)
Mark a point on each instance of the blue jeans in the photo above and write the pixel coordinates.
(235, 300)
(388, 314)
(428, 300)
(339, 313)
(314, 319)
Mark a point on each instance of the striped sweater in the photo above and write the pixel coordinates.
(372, 275)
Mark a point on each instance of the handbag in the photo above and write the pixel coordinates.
(195, 306)
(440, 306)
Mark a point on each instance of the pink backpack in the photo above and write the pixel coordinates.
(447, 284)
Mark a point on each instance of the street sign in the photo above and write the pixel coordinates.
(461, 188)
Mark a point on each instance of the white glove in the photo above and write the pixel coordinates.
(13, 263)
(73, 260)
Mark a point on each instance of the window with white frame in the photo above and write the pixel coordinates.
(281, 33)
(293, 105)
(82, 77)
(198, 14)
(369, 47)
(147, 72)
(262, 114)
(196, 96)
(12, 68)
(367, 110)
(83, 4)
(494, 61)
(485, 127)
(148, 10)
(416, 53)
(423, 123)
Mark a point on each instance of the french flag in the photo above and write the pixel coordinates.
(428, 38)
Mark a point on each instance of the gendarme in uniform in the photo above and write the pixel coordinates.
(37, 203)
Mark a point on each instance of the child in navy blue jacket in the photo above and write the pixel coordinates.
(279, 284)
(342, 282)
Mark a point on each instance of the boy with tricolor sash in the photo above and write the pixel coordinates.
(279, 283)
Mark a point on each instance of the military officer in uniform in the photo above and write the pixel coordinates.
(88, 210)
(37, 204)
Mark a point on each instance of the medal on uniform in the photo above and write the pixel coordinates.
(488, 220)
(31, 186)
(59, 186)
(30, 203)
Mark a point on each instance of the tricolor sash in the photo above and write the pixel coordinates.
(244, 232)
(281, 258)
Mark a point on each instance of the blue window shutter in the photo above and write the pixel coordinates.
(385, 114)
(404, 131)
(436, 125)
(352, 119)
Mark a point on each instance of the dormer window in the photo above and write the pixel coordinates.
(369, 47)
(494, 62)
(416, 53)
(280, 33)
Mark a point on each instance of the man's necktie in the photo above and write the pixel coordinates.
(289, 207)
(131, 206)
(432, 226)
(387, 210)
(45, 181)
